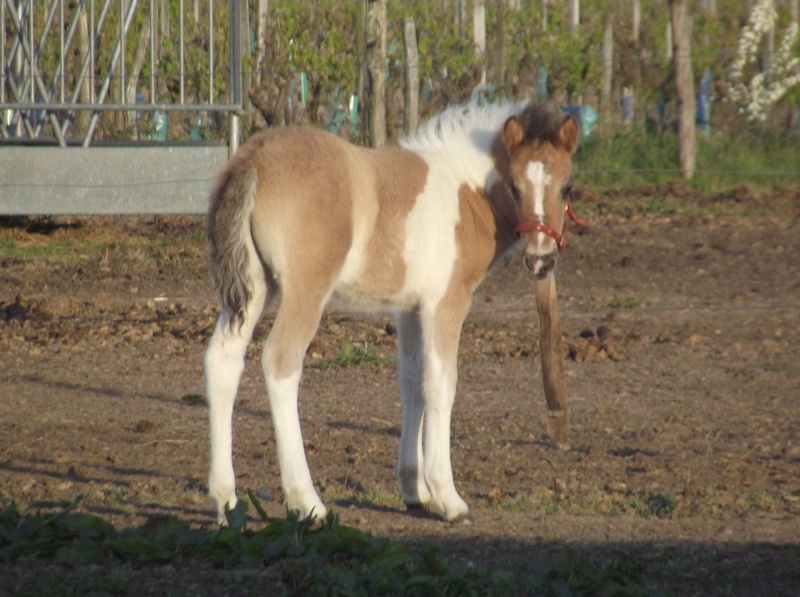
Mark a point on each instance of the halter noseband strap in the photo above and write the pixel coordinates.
(561, 242)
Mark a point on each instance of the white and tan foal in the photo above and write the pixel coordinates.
(304, 218)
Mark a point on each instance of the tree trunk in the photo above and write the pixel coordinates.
(165, 18)
(684, 84)
(376, 61)
(461, 16)
(412, 77)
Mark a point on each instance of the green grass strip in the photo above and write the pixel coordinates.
(329, 559)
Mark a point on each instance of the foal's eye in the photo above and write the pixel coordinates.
(512, 186)
(566, 191)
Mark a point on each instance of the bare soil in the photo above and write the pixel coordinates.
(683, 370)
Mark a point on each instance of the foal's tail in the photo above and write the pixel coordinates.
(229, 240)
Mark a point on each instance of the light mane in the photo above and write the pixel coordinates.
(460, 139)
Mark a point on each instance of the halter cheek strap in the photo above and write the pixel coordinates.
(561, 242)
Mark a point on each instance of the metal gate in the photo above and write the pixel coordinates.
(87, 92)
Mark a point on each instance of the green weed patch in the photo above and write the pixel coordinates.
(306, 558)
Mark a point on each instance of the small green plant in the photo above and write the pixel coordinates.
(352, 354)
(658, 504)
(193, 399)
(624, 304)
(116, 495)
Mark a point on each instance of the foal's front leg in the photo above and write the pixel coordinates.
(441, 331)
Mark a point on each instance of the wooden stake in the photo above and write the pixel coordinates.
(684, 85)
(412, 76)
(552, 353)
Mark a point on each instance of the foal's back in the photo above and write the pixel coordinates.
(372, 225)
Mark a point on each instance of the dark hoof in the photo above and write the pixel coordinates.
(416, 506)
(465, 519)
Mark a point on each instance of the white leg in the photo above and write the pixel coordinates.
(441, 330)
(224, 363)
(295, 475)
(411, 463)
(295, 324)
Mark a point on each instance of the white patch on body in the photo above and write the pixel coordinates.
(430, 248)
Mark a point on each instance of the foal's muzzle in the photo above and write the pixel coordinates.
(540, 266)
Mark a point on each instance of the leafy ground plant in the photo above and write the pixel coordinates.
(305, 558)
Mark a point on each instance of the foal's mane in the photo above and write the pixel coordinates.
(455, 127)
(457, 123)
(462, 136)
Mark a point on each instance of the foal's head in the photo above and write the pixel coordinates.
(540, 181)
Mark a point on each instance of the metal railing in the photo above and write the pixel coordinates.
(60, 59)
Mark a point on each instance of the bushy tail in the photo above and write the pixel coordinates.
(228, 232)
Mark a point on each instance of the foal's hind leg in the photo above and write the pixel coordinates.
(224, 363)
(295, 324)
(411, 463)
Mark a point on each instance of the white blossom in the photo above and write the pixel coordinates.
(754, 99)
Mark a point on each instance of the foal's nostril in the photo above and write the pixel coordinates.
(526, 261)
(539, 265)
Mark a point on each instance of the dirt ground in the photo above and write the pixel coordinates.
(682, 327)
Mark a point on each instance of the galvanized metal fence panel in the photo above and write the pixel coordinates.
(67, 64)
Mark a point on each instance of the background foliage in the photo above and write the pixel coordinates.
(320, 40)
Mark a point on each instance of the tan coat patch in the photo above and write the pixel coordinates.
(386, 185)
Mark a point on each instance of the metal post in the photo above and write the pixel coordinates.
(235, 76)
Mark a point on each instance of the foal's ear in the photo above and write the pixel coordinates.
(513, 133)
(568, 132)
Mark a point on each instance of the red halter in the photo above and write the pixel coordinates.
(561, 242)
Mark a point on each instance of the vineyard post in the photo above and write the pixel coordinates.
(608, 71)
(479, 35)
(235, 81)
(684, 84)
(246, 63)
(82, 116)
(261, 37)
(412, 77)
(376, 63)
(502, 50)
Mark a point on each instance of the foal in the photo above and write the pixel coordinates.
(302, 217)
